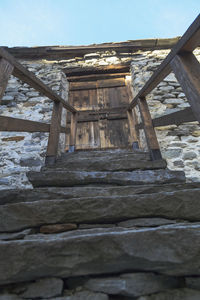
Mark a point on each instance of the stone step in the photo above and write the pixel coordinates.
(74, 178)
(172, 250)
(52, 193)
(116, 153)
(107, 161)
(177, 205)
(127, 163)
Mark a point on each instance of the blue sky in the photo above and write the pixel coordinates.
(82, 22)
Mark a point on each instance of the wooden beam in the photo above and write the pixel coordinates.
(60, 52)
(73, 129)
(82, 71)
(187, 70)
(54, 134)
(28, 77)
(97, 117)
(97, 77)
(150, 134)
(132, 118)
(189, 41)
(176, 118)
(108, 83)
(21, 125)
(5, 71)
(132, 127)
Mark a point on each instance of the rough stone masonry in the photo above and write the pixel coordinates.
(21, 152)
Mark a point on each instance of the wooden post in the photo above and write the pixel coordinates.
(132, 126)
(187, 70)
(132, 118)
(72, 142)
(5, 71)
(54, 134)
(150, 134)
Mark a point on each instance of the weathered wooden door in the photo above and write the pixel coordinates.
(102, 122)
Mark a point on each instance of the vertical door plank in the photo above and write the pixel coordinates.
(132, 118)
(73, 130)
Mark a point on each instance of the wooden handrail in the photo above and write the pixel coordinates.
(21, 125)
(22, 73)
(187, 70)
(188, 42)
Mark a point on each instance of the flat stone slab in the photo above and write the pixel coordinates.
(108, 163)
(146, 222)
(133, 284)
(115, 153)
(102, 251)
(193, 282)
(176, 294)
(73, 178)
(43, 288)
(184, 205)
(82, 295)
(52, 193)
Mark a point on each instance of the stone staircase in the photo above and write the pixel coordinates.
(101, 225)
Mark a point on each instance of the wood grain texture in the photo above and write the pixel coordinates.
(176, 118)
(54, 134)
(132, 118)
(187, 70)
(82, 71)
(5, 71)
(66, 52)
(150, 134)
(97, 77)
(73, 86)
(21, 125)
(73, 129)
(102, 120)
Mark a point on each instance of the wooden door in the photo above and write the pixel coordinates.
(102, 122)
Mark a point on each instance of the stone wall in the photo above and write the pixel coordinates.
(21, 152)
(180, 145)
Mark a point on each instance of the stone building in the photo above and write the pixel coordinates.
(20, 152)
(106, 221)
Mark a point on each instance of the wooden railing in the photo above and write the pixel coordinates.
(8, 66)
(186, 68)
(180, 60)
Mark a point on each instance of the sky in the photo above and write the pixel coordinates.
(83, 22)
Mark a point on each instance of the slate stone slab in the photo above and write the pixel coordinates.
(102, 251)
(133, 284)
(73, 178)
(83, 295)
(108, 163)
(193, 282)
(184, 205)
(43, 288)
(177, 294)
(52, 193)
(146, 222)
